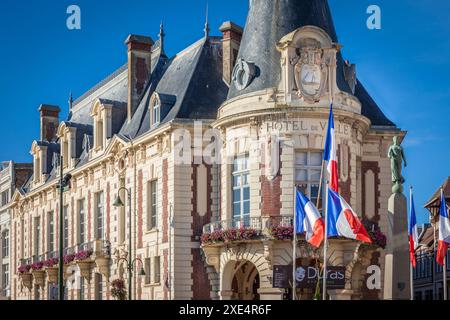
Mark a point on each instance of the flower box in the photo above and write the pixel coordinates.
(52, 274)
(27, 280)
(39, 277)
(230, 235)
(85, 268)
(281, 233)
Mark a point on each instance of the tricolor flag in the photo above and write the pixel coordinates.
(444, 231)
(342, 221)
(308, 220)
(330, 154)
(413, 232)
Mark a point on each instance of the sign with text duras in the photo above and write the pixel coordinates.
(307, 277)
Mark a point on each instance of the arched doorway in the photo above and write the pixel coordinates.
(245, 281)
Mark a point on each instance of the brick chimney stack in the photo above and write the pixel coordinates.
(139, 69)
(49, 121)
(231, 41)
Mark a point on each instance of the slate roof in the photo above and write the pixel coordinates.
(435, 199)
(190, 85)
(267, 23)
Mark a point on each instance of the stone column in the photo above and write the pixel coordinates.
(397, 268)
(226, 295)
(270, 294)
(340, 294)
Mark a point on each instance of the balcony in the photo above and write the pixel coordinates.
(248, 229)
(84, 256)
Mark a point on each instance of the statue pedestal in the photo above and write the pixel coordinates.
(397, 265)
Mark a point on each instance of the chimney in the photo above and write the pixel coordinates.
(139, 69)
(231, 41)
(49, 121)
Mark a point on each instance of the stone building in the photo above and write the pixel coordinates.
(208, 141)
(12, 176)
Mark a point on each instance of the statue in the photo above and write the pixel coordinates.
(397, 156)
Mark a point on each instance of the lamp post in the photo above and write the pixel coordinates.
(63, 185)
(130, 262)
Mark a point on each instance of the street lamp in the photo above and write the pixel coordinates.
(63, 185)
(130, 262)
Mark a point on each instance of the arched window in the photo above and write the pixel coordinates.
(156, 112)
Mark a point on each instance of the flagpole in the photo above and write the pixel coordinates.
(294, 249)
(411, 269)
(444, 275)
(325, 247)
(320, 184)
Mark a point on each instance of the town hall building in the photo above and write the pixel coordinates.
(214, 223)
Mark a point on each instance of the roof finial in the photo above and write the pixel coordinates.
(161, 36)
(207, 21)
(70, 101)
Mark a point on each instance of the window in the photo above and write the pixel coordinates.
(99, 134)
(99, 215)
(5, 244)
(37, 169)
(37, 235)
(81, 222)
(50, 233)
(22, 237)
(81, 288)
(241, 191)
(428, 294)
(147, 264)
(52, 291)
(5, 198)
(152, 204)
(66, 226)
(156, 112)
(122, 216)
(98, 286)
(5, 280)
(308, 166)
(157, 270)
(65, 147)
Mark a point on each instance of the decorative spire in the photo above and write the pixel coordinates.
(161, 36)
(70, 101)
(207, 29)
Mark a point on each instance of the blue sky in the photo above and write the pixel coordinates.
(405, 65)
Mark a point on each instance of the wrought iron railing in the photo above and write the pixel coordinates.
(257, 223)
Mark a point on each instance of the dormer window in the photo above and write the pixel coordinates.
(102, 114)
(67, 136)
(156, 112)
(39, 154)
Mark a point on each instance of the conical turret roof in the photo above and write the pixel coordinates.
(270, 20)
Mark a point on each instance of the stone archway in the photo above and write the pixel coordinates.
(240, 281)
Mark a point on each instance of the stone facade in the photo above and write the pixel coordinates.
(12, 176)
(271, 134)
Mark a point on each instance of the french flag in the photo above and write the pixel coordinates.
(444, 232)
(413, 232)
(309, 220)
(343, 221)
(330, 154)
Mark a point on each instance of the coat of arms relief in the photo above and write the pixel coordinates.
(311, 70)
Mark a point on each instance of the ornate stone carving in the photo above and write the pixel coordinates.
(243, 74)
(268, 253)
(212, 255)
(310, 70)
